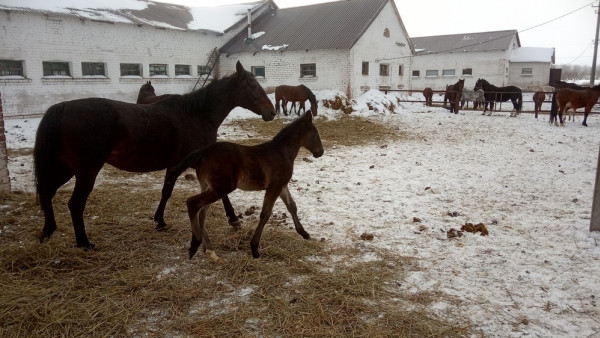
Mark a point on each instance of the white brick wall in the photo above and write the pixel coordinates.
(35, 38)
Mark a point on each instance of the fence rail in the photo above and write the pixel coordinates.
(497, 107)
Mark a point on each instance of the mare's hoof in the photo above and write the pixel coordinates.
(255, 255)
(44, 237)
(86, 247)
(162, 228)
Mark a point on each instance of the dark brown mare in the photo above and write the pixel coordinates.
(76, 138)
(300, 94)
(568, 98)
(500, 94)
(428, 94)
(453, 94)
(223, 167)
(147, 94)
(554, 107)
(538, 99)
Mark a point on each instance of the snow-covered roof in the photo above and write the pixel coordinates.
(217, 19)
(532, 54)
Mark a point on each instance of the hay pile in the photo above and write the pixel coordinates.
(139, 282)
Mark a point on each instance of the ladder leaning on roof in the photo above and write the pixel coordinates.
(210, 65)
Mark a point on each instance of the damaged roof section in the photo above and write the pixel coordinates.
(217, 19)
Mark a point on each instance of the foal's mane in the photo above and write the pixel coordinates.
(291, 130)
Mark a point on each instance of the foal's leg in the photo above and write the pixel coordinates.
(230, 212)
(287, 199)
(198, 206)
(266, 212)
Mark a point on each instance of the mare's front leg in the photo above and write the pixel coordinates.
(167, 191)
(287, 199)
(266, 212)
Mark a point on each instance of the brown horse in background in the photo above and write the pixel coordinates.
(428, 94)
(568, 98)
(538, 99)
(147, 94)
(76, 138)
(553, 106)
(223, 167)
(453, 94)
(300, 93)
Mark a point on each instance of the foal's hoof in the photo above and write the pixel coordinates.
(236, 224)
(213, 256)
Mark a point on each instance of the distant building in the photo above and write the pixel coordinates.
(496, 56)
(51, 54)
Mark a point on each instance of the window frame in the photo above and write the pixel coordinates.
(401, 70)
(432, 73)
(203, 70)
(187, 72)
(365, 68)
(54, 68)
(525, 73)
(158, 69)
(255, 71)
(92, 67)
(9, 67)
(467, 71)
(308, 70)
(416, 73)
(448, 72)
(384, 69)
(130, 72)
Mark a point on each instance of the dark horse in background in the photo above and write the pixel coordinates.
(300, 94)
(453, 94)
(76, 138)
(567, 98)
(223, 167)
(538, 98)
(147, 94)
(428, 95)
(554, 107)
(500, 94)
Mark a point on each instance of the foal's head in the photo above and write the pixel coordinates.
(249, 94)
(310, 135)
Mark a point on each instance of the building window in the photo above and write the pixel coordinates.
(384, 69)
(131, 69)
(56, 68)
(448, 72)
(182, 70)
(158, 69)
(204, 70)
(258, 71)
(308, 70)
(431, 73)
(400, 70)
(365, 68)
(92, 69)
(527, 71)
(416, 73)
(467, 71)
(11, 68)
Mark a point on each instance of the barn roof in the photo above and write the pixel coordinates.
(467, 42)
(331, 25)
(217, 19)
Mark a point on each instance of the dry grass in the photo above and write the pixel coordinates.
(139, 282)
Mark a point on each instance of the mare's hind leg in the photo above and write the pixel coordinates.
(84, 183)
(266, 212)
(287, 199)
(197, 209)
(46, 194)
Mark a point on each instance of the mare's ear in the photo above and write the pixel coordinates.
(239, 68)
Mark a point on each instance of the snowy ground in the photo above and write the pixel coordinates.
(531, 184)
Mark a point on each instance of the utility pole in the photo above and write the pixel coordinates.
(595, 220)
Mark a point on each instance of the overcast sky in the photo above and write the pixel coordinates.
(541, 23)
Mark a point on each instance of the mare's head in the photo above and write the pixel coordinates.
(460, 85)
(249, 94)
(309, 134)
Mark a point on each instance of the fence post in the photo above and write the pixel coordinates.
(4, 175)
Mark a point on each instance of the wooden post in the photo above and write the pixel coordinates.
(4, 175)
(595, 220)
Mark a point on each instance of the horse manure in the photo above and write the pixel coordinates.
(469, 227)
(366, 236)
(452, 233)
(416, 220)
(453, 213)
(190, 177)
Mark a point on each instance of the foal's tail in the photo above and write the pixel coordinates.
(193, 159)
(46, 151)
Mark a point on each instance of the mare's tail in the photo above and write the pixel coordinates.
(193, 159)
(46, 151)
(553, 108)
